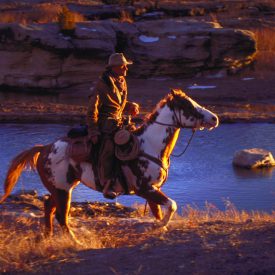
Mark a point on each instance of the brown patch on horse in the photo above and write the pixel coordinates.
(18, 164)
(138, 168)
(178, 100)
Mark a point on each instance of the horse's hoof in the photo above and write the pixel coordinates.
(164, 228)
(159, 226)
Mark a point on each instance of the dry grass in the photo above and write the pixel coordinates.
(40, 13)
(211, 213)
(126, 16)
(23, 247)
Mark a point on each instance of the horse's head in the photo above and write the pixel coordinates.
(189, 114)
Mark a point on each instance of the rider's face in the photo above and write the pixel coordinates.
(120, 70)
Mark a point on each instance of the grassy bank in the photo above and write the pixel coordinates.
(106, 227)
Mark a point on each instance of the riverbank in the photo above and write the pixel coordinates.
(18, 112)
(206, 241)
(245, 98)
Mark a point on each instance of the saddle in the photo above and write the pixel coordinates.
(81, 149)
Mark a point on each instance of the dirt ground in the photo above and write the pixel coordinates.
(196, 242)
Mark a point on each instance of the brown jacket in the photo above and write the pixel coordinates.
(106, 104)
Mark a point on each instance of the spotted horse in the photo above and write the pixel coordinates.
(144, 175)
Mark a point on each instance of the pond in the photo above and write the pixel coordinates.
(203, 174)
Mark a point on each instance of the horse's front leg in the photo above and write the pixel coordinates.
(156, 210)
(156, 198)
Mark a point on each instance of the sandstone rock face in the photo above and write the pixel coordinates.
(253, 158)
(184, 47)
(38, 56)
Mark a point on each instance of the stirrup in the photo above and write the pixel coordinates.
(107, 193)
(110, 194)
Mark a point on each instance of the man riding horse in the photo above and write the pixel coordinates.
(107, 103)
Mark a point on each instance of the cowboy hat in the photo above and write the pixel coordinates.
(118, 59)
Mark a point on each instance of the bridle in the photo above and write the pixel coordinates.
(179, 123)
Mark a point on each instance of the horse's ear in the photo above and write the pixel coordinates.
(177, 92)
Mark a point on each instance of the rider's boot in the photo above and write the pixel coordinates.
(107, 192)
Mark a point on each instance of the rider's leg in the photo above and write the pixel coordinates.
(106, 166)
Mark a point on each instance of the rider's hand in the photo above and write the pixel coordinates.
(135, 109)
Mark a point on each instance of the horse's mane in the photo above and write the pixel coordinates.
(151, 117)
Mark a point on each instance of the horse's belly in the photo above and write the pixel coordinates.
(153, 175)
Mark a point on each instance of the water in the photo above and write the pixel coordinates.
(203, 173)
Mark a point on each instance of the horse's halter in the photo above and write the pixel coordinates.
(179, 123)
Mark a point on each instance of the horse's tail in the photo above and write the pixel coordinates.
(25, 159)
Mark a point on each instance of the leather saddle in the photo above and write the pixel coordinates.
(81, 149)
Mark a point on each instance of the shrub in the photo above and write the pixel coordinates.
(66, 21)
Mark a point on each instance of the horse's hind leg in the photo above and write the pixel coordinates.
(63, 201)
(49, 208)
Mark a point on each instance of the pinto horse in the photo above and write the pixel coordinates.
(144, 175)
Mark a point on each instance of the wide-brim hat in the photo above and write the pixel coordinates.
(118, 59)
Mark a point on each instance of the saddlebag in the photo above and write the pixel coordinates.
(127, 145)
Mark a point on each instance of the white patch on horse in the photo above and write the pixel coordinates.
(87, 176)
(171, 204)
(210, 120)
(155, 133)
(154, 171)
(59, 164)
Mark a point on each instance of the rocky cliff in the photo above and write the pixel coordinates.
(39, 56)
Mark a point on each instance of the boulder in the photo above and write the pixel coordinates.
(253, 158)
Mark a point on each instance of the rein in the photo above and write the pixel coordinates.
(189, 141)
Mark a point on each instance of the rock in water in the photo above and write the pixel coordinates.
(253, 158)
